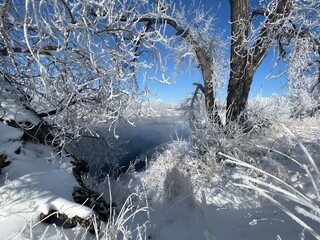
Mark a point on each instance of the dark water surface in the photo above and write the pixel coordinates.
(150, 135)
(147, 137)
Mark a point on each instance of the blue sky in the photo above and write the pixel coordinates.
(264, 83)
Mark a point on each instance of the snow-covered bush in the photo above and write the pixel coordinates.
(208, 137)
(120, 226)
(240, 139)
(305, 96)
(263, 158)
(271, 110)
(129, 219)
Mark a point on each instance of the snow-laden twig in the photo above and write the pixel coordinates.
(117, 225)
(247, 165)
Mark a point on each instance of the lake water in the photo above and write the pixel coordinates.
(151, 135)
(148, 136)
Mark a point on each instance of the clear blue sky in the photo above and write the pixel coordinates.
(263, 82)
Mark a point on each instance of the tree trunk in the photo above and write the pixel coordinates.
(240, 78)
(238, 93)
(208, 88)
(246, 59)
(207, 74)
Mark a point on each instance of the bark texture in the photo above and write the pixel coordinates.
(245, 59)
(240, 77)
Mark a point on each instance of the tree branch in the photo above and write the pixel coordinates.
(265, 41)
(73, 21)
(199, 86)
(43, 51)
(202, 57)
(258, 12)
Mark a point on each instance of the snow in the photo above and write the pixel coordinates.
(9, 133)
(226, 215)
(36, 181)
(12, 106)
(268, 194)
(9, 141)
(188, 201)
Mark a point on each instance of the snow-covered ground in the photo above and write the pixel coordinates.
(36, 181)
(219, 210)
(181, 195)
(189, 199)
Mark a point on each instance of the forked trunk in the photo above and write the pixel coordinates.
(245, 59)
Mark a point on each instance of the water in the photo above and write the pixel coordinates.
(147, 137)
(150, 135)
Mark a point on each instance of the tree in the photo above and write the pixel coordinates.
(77, 62)
(304, 77)
(71, 61)
(283, 21)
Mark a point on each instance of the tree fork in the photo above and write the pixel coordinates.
(245, 60)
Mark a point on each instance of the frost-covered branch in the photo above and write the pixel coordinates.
(79, 61)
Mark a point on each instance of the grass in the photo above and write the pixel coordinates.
(306, 206)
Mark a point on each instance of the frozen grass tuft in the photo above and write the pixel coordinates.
(306, 206)
(120, 224)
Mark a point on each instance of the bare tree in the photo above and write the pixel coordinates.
(77, 62)
(283, 21)
(251, 41)
(71, 60)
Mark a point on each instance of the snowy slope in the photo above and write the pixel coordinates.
(12, 106)
(184, 200)
(36, 181)
(189, 201)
